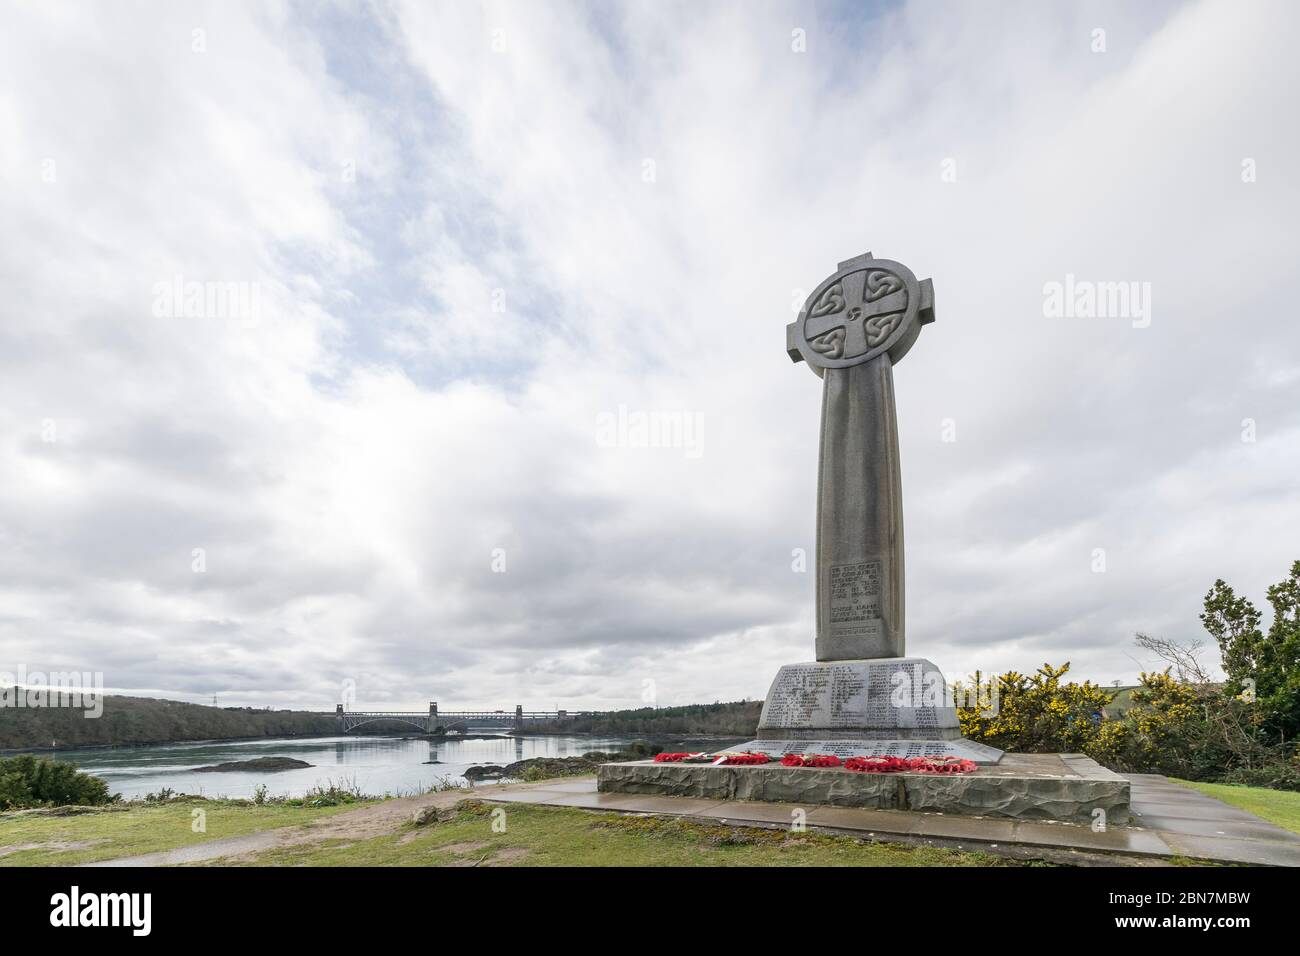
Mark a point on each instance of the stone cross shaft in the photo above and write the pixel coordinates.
(854, 328)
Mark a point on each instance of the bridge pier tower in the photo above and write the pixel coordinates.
(433, 717)
(338, 716)
(519, 716)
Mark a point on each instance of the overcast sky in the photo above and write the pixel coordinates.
(474, 239)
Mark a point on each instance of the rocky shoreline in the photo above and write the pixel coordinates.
(540, 768)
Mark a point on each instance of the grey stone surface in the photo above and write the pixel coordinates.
(1226, 850)
(751, 812)
(854, 328)
(1113, 839)
(1229, 826)
(860, 599)
(1075, 799)
(898, 707)
(1052, 791)
(884, 821)
(899, 698)
(1160, 804)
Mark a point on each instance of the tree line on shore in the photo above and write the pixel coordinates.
(146, 720)
(730, 719)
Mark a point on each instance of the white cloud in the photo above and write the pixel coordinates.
(351, 461)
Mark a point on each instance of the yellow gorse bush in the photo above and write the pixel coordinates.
(1040, 713)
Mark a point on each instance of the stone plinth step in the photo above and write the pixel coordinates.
(1066, 787)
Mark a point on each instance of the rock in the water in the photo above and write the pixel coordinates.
(539, 768)
(542, 768)
(265, 764)
(484, 772)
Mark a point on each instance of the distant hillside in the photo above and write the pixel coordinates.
(734, 719)
(1121, 702)
(146, 720)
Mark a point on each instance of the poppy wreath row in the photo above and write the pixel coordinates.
(942, 765)
(939, 765)
(745, 759)
(810, 760)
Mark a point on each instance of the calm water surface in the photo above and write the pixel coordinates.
(376, 764)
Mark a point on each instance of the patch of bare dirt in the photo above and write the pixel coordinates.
(509, 855)
(58, 846)
(476, 857)
(460, 849)
(352, 826)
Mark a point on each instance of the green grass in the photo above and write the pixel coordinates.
(1276, 806)
(141, 828)
(1122, 702)
(479, 833)
(555, 836)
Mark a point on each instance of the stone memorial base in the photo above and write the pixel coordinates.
(891, 706)
(876, 747)
(1066, 787)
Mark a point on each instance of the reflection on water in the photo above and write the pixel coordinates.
(376, 764)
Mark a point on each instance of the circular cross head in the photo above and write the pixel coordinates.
(869, 307)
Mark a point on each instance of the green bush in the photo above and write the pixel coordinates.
(27, 781)
(1280, 774)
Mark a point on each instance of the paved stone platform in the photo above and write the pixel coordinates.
(1169, 821)
(1065, 787)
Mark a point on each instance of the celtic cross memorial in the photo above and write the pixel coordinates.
(862, 695)
(856, 326)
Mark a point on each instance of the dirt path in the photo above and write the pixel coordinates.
(363, 823)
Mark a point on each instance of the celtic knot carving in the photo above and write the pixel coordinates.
(867, 307)
(856, 314)
(832, 300)
(880, 284)
(831, 344)
(881, 327)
